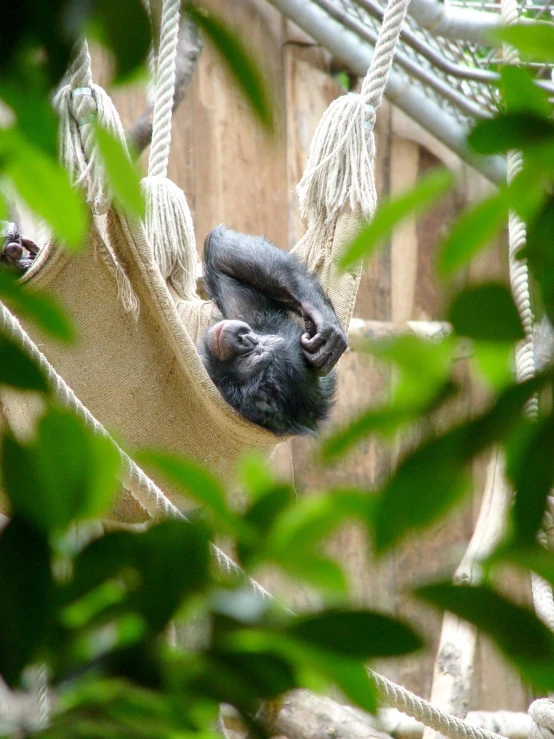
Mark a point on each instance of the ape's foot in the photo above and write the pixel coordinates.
(16, 251)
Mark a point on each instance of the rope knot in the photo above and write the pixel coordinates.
(83, 105)
(542, 715)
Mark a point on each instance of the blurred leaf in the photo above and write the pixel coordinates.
(30, 100)
(540, 255)
(262, 514)
(27, 591)
(240, 63)
(44, 186)
(434, 476)
(518, 633)
(384, 421)
(314, 569)
(510, 131)
(494, 360)
(43, 310)
(254, 476)
(535, 41)
(56, 478)
(195, 482)
(241, 678)
(521, 94)
(171, 559)
(530, 466)
(424, 195)
(17, 370)
(425, 368)
(533, 557)
(124, 28)
(425, 485)
(486, 312)
(360, 634)
(123, 175)
(472, 232)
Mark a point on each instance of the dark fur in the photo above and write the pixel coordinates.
(253, 281)
(287, 396)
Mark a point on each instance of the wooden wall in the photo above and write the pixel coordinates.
(233, 173)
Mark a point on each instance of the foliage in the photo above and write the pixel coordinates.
(94, 612)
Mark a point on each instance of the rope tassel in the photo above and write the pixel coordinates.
(339, 171)
(171, 234)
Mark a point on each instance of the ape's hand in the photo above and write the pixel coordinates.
(324, 341)
(15, 250)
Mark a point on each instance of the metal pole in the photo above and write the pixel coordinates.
(357, 55)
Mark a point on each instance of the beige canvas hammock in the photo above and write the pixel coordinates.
(135, 365)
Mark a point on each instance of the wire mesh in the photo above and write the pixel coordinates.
(457, 74)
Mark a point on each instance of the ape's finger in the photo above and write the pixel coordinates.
(30, 245)
(313, 344)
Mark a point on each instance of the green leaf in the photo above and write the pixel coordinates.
(123, 27)
(540, 255)
(423, 196)
(486, 312)
(535, 41)
(123, 175)
(43, 310)
(313, 569)
(171, 560)
(56, 477)
(471, 233)
(425, 485)
(495, 362)
(521, 94)
(360, 634)
(434, 476)
(519, 131)
(44, 186)
(241, 65)
(530, 466)
(261, 516)
(518, 633)
(17, 370)
(193, 479)
(27, 591)
(384, 421)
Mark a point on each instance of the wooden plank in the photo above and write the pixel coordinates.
(239, 171)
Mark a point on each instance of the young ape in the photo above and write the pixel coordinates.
(272, 355)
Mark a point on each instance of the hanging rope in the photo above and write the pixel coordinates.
(540, 711)
(168, 220)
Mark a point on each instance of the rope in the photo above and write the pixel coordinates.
(165, 85)
(541, 711)
(410, 704)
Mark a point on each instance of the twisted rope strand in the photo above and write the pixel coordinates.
(165, 86)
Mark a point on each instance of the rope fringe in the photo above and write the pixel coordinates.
(171, 234)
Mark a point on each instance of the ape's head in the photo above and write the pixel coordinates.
(265, 376)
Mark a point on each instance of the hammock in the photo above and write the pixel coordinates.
(135, 366)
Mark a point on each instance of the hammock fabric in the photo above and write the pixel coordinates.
(142, 378)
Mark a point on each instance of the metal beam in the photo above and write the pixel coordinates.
(357, 55)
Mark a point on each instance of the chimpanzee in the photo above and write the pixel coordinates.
(272, 355)
(15, 250)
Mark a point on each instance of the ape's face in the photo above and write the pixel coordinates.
(237, 343)
(265, 376)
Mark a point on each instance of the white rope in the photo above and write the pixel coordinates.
(168, 220)
(165, 87)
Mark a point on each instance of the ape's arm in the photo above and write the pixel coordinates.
(247, 273)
